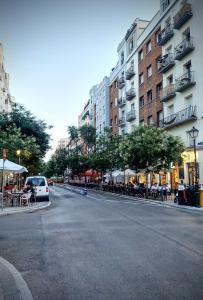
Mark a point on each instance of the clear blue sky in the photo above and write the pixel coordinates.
(55, 50)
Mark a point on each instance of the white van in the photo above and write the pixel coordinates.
(39, 183)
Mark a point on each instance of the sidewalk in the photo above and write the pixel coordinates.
(21, 209)
(163, 203)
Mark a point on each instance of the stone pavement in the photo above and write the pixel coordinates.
(20, 209)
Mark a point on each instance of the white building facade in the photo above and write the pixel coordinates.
(181, 64)
(128, 90)
(6, 100)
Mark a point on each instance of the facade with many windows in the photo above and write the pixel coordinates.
(180, 64)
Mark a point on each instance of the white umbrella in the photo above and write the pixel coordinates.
(117, 173)
(10, 166)
(130, 172)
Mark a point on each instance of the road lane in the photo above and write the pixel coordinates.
(100, 247)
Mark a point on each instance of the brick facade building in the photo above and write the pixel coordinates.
(150, 81)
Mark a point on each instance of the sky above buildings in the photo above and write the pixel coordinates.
(55, 50)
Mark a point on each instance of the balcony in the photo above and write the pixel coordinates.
(121, 82)
(121, 122)
(121, 102)
(130, 94)
(185, 81)
(165, 35)
(166, 62)
(185, 47)
(130, 116)
(183, 116)
(130, 73)
(184, 14)
(168, 92)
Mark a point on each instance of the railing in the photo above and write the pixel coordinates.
(121, 82)
(121, 102)
(165, 34)
(180, 117)
(121, 121)
(130, 94)
(184, 48)
(168, 92)
(166, 62)
(131, 115)
(185, 81)
(183, 15)
(130, 73)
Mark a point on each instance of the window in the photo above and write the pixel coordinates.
(132, 84)
(158, 63)
(149, 71)
(111, 105)
(141, 102)
(164, 4)
(111, 122)
(158, 90)
(122, 58)
(170, 110)
(149, 96)
(116, 101)
(170, 79)
(132, 106)
(131, 45)
(132, 64)
(140, 55)
(142, 122)
(116, 84)
(149, 46)
(159, 118)
(157, 36)
(115, 120)
(141, 78)
(150, 120)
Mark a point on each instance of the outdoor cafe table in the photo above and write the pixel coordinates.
(16, 196)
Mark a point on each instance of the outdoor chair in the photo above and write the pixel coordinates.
(25, 199)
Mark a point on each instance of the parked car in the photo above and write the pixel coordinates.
(40, 185)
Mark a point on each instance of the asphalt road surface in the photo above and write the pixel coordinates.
(105, 247)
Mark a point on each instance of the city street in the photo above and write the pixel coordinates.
(102, 246)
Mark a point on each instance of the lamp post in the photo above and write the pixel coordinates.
(194, 134)
(18, 154)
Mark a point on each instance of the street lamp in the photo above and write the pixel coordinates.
(18, 154)
(194, 134)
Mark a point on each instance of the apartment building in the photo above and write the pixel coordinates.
(181, 66)
(128, 93)
(113, 100)
(63, 143)
(149, 79)
(6, 100)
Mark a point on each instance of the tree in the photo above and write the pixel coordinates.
(150, 147)
(88, 135)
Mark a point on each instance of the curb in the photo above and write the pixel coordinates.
(28, 209)
(20, 287)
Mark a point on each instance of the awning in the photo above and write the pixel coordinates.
(10, 166)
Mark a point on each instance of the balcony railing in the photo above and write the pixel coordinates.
(184, 14)
(166, 62)
(185, 47)
(185, 115)
(121, 102)
(121, 82)
(185, 81)
(165, 35)
(130, 73)
(130, 94)
(121, 122)
(130, 116)
(168, 92)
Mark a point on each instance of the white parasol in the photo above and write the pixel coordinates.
(10, 166)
